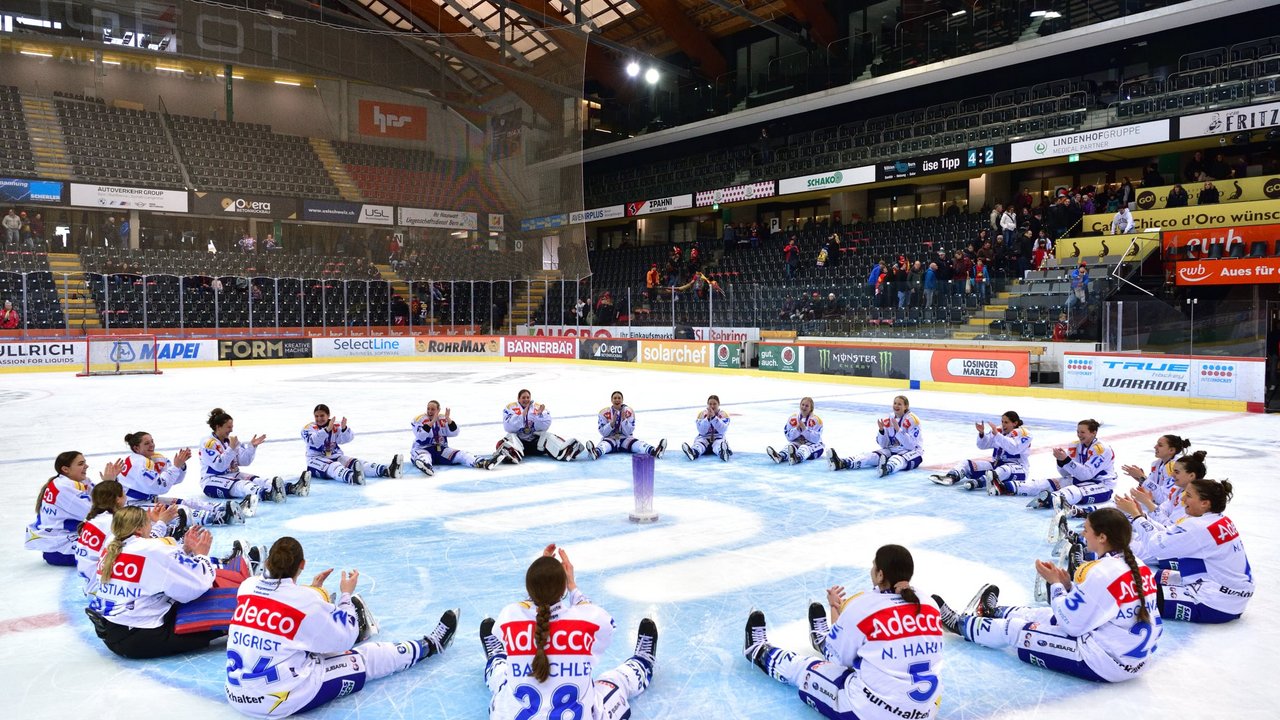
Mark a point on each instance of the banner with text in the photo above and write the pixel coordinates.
(752, 191)
(448, 219)
(972, 367)
(613, 212)
(1264, 187)
(657, 205)
(264, 349)
(1219, 122)
(392, 120)
(540, 347)
(657, 332)
(1091, 141)
(62, 353)
(1212, 378)
(973, 158)
(1260, 212)
(614, 349)
(676, 352)
(110, 196)
(1229, 271)
(21, 190)
(778, 358)
(1197, 242)
(856, 361)
(477, 346)
(263, 206)
(826, 181)
(346, 212)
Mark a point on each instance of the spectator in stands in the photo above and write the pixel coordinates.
(942, 265)
(980, 277)
(962, 271)
(695, 259)
(930, 284)
(1123, 221)
(124, 232)
(1039, 255)
(216, 285)
(790, 258)
(1209, 194)
(995, 217)
(835, 307)
(916, 278)
(109, 233)
(606, 313)
(8, 316)
(12, 225)
(1057, 217)
(247, 243)
(1219, 169)
(1195, 170)
(877, 270)
(1079, 287)
(37, 228)
(652, 280)
(1177, 197)
(953, 210)
(1089, 204)
(835, 253)
(902, 282)
(1152, 177)
(730, 237)
(399, 310)
(754, 235)
(1128, 198)
(1035, 223)
(1023, 251)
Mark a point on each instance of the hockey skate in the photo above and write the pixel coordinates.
(231, 514)
(984, 602)
(971, 484)
(302, 487)
(647, 642)
(950, 620)
(238, 548)
(491, 643)
(424, 466)
(440, 638)
(257, 558)
(833, 460)
(774, 455)
(1075, 558)
(357, 473)
(1043, 501)
(180, 525)
(277, 492)
(688, 451)
(794, 457)
(725, 452)
(996, 486)
(883, 464)
(1058, 529)
(575, 450)
(249, 505)
(364, 619)
(948, 478)
(819, 626)
(755, 644)
(396, 468)
(657, 450)
(593, 451)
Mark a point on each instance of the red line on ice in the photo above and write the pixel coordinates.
(31, 622)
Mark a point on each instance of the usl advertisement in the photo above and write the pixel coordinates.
(448, 219)
(972, 367)
(540, 347)
(613, 212)
(657, 205)
(1090, 141)
(263, 206)
(752, 191)
(110, 196)
(41, 354)
(778, 358)
(1239, 271)
(383, 119)
(1259, 212)
(614, 349)
(340, 347)
(264, 349)
(944, 162)
(19, 190)
(1217, 378)
(825, 181)
(715, 334)
(1221, 122)
(345, 212)
(1265, 187)
(856, 361)
(454, 346)
(675, 352)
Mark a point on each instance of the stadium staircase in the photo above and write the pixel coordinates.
(398, 284)
(77, 301)
(337, 170)
(529, 297)
(47, 145)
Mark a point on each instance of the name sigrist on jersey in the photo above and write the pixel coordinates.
(267, 615)
(894, 623)
(567, 637)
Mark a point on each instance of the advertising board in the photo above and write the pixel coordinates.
(778, 358)
(615, 349)
(857, 361)
(264, 349)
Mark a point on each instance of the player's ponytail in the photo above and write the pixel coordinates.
(134, 439)
(1179, 444)
(1119, 533)
(217, 417)
(285, 558)
(897, 565)
(64, 460)
(1194, 464)
(1090, 423)
(545, 581)
(126, 522)
(106, 497)
(1012, 416)
(1217, 492)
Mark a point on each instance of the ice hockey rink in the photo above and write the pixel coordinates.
(732, 536)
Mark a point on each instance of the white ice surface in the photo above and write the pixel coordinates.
(731, 536)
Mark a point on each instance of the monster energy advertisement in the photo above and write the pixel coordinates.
(857, 361)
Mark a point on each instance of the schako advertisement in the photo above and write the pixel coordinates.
(393, 120)
(1240, 271)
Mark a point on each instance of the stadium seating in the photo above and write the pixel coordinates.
(15, 144)
(247, 157)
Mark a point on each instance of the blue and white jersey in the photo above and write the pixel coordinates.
(1160, 480)
(526, 423)
(712, 426)
(147, 578)
(1102, 607)
(902, 435)
(799, 429)
(436, 434)
(322, 443)
(1205, 550)
(1013, 447)
(218, 458)
(63, 504)
(144, 478)
(1091, 463)
(616, 422)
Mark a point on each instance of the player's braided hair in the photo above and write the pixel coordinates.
(124, 523)
(1113, 524)
(898, 566)
(105, 496)
(63, 460)
(545, 581)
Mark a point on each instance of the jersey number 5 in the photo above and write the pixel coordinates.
(920, 674)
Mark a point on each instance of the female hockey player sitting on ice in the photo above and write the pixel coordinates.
(558, 628)
(147, 476)
(290, 648)
(62, 504)
(1205, 574)
(528, 426)
(617, 424)
(222, 457)
(881, 652)
(431, 433)
(712, 424)
(324, 456)
(1159, 481)
(1010, 447)
(142, 582)
(900, 441)
(1087, 475)
(1103, 625)
(804, 436)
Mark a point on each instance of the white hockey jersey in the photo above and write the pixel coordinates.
(1207, 551)
(903, 434)
(526, 423)
(712, 427)
(616, 423)
(803, 429)
(1014, 447)
(1101, 610)
(580, 632)
(322, 443)
(1092, 463)
(63, 504)
(92, 540)
(145, 478)
(280, 633)
(897, 651)
(433, 434)
(1160, 480)
(219, 458)
(147, 578)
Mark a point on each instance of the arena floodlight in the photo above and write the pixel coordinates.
(633, 69)
(651, 76)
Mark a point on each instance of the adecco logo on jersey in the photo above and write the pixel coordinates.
(268, 616)
(566, 637)
(901, 621)
(128, 568)
(91, 537)
(539, 347)
(778, 358)
(675, 353)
